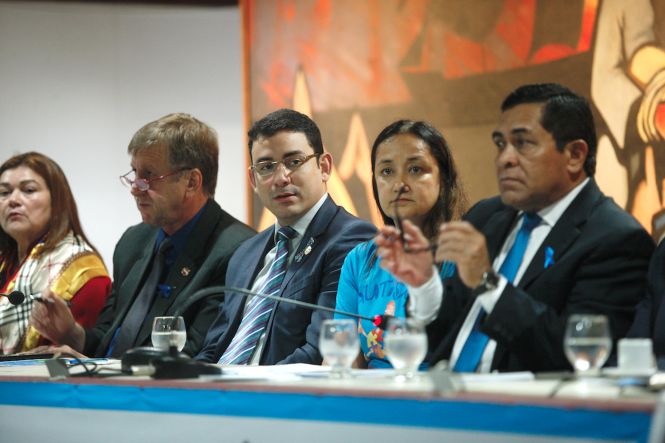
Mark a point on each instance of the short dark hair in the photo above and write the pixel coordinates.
(286, 120)
(566, 115)
(452, 201)
(189, 143)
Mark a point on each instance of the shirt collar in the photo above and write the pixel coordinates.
(179, 238)
(303, 222)
(552, 213)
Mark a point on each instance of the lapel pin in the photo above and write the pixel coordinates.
(185, 271)
(549, 257)
(164, 290)
(305, 251)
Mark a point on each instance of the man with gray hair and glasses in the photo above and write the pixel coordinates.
(184, 244)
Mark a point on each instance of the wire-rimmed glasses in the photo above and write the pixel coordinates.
(143, 184)
(398, 224)
(292, 163)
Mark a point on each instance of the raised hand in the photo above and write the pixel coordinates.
(412, 268)
(463, 244)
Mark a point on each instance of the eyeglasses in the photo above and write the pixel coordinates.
(268, 168)
(398, 224)
(143, 184)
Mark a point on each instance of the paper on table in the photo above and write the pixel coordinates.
(268, 373)
(497, 377)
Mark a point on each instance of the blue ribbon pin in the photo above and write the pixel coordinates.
(549, 257)
(164, 290)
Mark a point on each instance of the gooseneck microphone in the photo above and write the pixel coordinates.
(378, 320)
(15, 297)
(172, 364)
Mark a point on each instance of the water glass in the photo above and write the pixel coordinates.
(167, 332)
(587, 342)
(339, 345)
(405, 344)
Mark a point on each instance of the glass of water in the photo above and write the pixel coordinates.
(339, 345)
(587, 342)
(167, 332)
(405, 344)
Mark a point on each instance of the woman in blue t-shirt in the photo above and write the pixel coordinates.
(413, 178)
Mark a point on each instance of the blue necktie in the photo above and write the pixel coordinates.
(474, 346)
(258, 309)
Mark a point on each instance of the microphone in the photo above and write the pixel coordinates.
(15, 297)
(378, 320)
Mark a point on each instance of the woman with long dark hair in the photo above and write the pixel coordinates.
(413, 178)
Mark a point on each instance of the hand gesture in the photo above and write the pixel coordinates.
(53, 319)
(412, 268)
(463, 244)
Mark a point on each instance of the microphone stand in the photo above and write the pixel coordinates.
(178, 365)
(378, 320)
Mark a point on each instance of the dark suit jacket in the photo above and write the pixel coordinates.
(600, 256)
(292, 331)
(209, 247)
(650, 316)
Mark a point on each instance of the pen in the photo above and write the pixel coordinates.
(49, 301)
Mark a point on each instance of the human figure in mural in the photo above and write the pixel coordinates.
(628, 89)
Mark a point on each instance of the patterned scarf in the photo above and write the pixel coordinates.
(64, 270)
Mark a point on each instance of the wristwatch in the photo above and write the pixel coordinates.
(490, 281)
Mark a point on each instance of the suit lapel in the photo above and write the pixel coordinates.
(563, 234)
(263, 242)
(309, 242)
(128, 290)
(130, 287)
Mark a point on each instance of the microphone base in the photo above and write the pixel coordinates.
(181, 366)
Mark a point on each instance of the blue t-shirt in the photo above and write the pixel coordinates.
(371, 291)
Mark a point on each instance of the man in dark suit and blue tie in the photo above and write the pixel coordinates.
(184, 244)
(299, 257)
(549, 246)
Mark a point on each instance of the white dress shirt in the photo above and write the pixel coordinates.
(300, 227)
(549, 215)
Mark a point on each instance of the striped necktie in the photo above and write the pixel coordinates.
(258, 309)
(475, 344)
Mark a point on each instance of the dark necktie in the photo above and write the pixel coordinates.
(475, 344)
(134, 319)
(258, 309)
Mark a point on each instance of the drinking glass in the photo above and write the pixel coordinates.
(405, 345)
(339, 345)
(167, 332)
(587, 342)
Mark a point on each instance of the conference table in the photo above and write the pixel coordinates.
(302, 403)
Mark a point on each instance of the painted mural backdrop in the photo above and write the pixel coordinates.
(355, 66)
